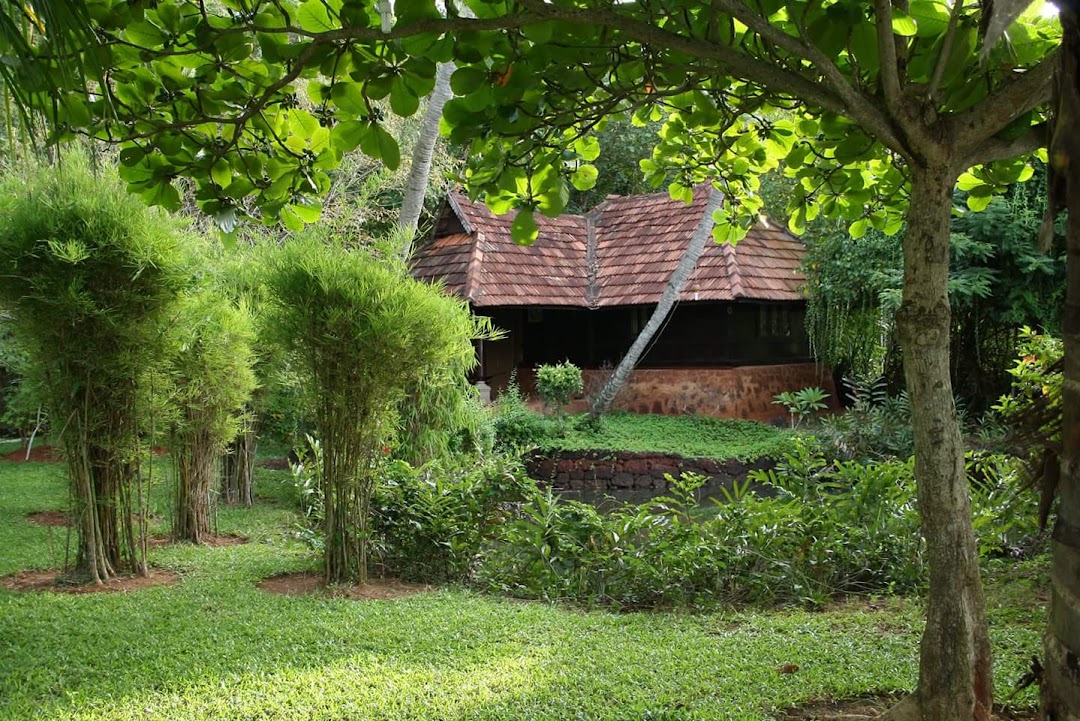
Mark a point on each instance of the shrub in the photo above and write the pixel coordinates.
(847, 530)
(802, 404)
(876, 427)
(91, 278)
(430, 523)
(211, 369)
(363, 333)
(516, 427)
(558, 384)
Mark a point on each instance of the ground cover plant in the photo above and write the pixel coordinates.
(215, 646)
(687, 436)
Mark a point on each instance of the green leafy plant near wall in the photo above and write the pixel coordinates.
(557, 385)
(802, 404)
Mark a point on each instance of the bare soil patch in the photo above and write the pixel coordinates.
(55, 582)
(275, 464)
(308, 584)
(225, 539)
(39, 454)
(52, 454)
(872, 707)
(48, 518)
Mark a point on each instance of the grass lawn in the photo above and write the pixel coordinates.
(687, 436)
(215, 647)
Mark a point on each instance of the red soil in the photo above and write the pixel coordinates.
(52, 581)
(48, 518)
(39, 454)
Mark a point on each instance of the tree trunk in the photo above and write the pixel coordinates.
(238, 467)
(1061, 684)
(195, 456)
(954, 671)
(423, 152)
(702, 235)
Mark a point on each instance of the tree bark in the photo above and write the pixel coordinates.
(423, 152)
(1061, 645)
(195, 456)
(702, 235)
(954, 670)
(238, 467)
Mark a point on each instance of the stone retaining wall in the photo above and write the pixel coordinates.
(604, 471)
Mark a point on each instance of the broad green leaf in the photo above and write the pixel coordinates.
(145, 34)
(221, 173)
(314, 17)
(584, 178)
(967, 181)
(932, 17)
(307, 213)
(523, 230)
(163, 194)
(587, 147)
(403, 100)
(381, 145)
(858, 228)
(467, 80)
(903, 24)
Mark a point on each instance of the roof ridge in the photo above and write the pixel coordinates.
(592, 261)
(456, 207)
(732, 262)
(472, 270)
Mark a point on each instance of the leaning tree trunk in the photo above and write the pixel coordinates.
(1061, 684)
(954, 667)
(423, 152)
(702, 235)
(238, 466)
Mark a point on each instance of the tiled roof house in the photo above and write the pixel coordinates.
(589, 282)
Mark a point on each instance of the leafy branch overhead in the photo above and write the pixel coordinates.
(262, 98)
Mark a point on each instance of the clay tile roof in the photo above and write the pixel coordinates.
(621, 253)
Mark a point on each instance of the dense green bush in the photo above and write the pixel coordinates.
(557, 385)
(877, 426)
(212, 376)
(363, 334)
(91, 279)
(430, 523)
(516, 426)
(672, 551)
(815, 529)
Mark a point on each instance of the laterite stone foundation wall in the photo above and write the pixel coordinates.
(604, 471)
(739, 392)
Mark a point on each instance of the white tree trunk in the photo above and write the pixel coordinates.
(423, 152)
(702, 235)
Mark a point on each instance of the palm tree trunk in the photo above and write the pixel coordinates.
(1061, 684)
(954, 665)
(423, 152)
(602, 403)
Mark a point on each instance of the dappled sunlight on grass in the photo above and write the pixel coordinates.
(216, 647)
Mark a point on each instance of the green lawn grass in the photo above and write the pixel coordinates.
(216, 647)
(687, 436)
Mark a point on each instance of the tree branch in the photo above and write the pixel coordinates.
(888, 72)
(946, 48)
(857, 106)
(997, 149)
(992, 114)
(837, 96)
